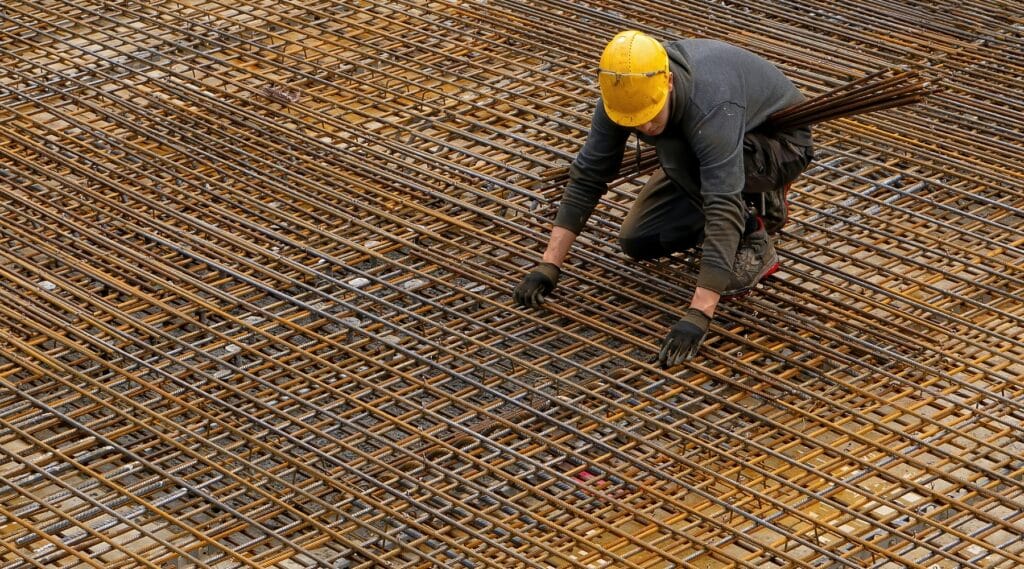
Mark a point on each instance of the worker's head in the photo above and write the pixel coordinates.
(634, 79)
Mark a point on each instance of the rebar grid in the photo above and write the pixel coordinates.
(256, 263)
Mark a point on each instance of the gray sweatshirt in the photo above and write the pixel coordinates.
(720, 92)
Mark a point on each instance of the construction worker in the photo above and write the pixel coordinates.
(722, 181)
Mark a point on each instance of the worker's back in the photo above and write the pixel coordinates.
(720, 73)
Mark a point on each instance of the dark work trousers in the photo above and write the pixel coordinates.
(668, 217)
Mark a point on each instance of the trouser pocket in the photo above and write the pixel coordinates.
(770, 163)
(759, 164)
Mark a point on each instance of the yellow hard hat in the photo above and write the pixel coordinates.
(633, 78)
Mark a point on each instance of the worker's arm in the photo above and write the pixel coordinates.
(719, 149)
(705, 300)
(596, 164)
(558, 246)
(718, 144)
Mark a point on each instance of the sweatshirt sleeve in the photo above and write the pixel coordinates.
(718, 144)
(596, 164)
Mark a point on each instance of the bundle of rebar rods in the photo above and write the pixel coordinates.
(885, 89)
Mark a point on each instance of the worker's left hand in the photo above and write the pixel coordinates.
(684, 338)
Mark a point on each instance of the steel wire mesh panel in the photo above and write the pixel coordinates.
(255, 265)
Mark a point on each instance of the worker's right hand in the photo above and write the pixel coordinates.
(535, 286)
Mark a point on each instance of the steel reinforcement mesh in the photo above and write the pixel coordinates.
(255, 272)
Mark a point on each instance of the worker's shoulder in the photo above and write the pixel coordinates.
(694, 49)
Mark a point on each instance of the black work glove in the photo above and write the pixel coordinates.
(684, 338)
(535, 286)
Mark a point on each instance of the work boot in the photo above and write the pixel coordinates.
(775, 208)
(755, 259)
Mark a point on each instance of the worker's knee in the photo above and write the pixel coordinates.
(642, 247)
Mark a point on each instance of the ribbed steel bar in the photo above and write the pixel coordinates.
(255, 274)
